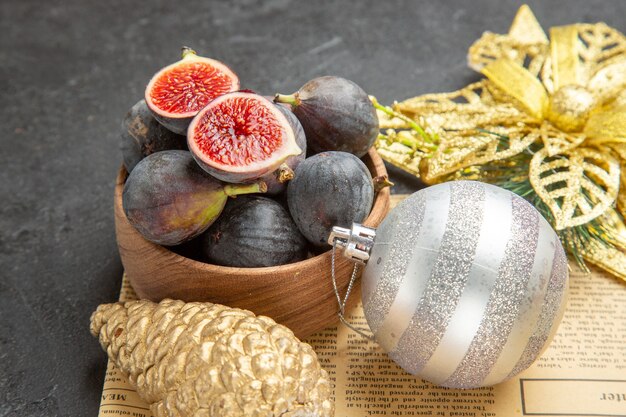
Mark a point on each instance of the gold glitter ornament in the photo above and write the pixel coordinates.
(203, 359)
(560, 99)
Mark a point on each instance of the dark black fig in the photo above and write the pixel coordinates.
(254, 232)
(191, 249)
(169, 199)
(143, 135)
(329, 189)
(336, 114)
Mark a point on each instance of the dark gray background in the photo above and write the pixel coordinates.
(69, 70)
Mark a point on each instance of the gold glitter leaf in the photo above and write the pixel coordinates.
(526, 44)
(398, 154)
(609, 258)
(491, 47)
(620, 151)
(471, 125)
(462, 149)
(525, 27)
(612, 256)
(556, 141)
(600, 43)
(609, 81)
(388, 122)
(621, 197)
(471, 107)
(577, 186)
(584, 51)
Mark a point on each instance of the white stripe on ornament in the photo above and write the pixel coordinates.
(553, 307)
(377, 264)
(494, 234)
(424, 252)
(404, 224)
(528, 316)
(506, 296)
(447, 279)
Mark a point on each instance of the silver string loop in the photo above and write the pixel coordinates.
(342, 303)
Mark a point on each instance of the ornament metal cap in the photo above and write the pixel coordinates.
(357, 242)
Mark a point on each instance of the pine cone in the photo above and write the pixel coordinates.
(203, 359)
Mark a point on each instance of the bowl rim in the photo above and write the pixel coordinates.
(379, 210)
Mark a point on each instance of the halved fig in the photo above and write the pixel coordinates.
(277, 180)
(177, 92)
(240, 137)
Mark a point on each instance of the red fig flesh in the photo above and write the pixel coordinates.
(239, 137)
(277, 180)
(177, 92)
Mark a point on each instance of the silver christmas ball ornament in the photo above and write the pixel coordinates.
(465, 284)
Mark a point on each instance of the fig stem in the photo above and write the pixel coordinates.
(285, 173)
(380, 182)
(187, 51)
(287, 98)
(390, 112)
(233, 190)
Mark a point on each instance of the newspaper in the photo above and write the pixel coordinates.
(582, 373)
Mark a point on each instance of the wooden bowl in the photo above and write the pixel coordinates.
(299, 295)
